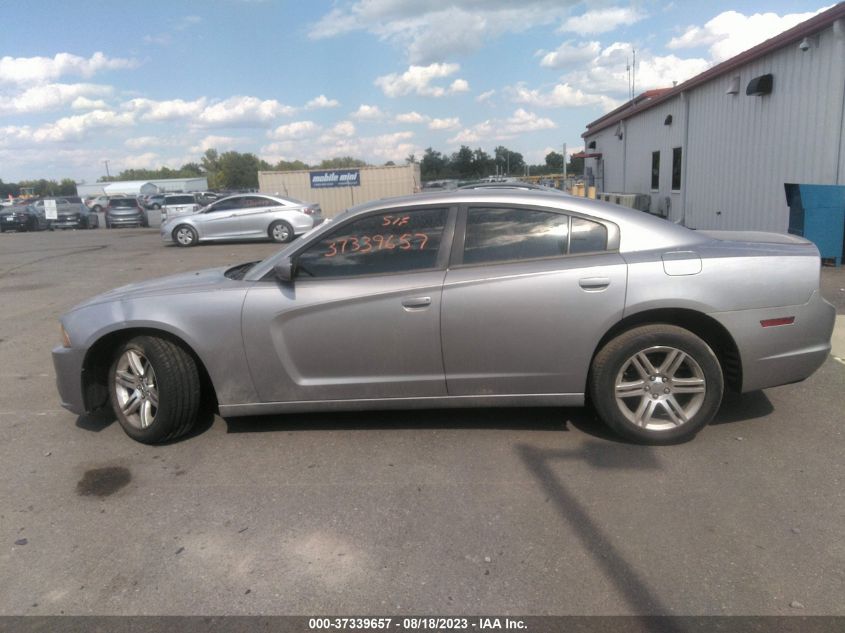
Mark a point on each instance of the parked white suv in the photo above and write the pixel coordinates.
(178, 204)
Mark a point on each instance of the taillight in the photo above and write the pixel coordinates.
(308, 211)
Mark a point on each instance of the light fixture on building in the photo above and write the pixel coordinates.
(592, 145)
(667, 120)
(804, 45)
(618, 132)
(760, 86)
(733, 87)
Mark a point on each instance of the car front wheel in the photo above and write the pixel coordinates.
(155, 389)
(281, 232)
(185, 235)
(656, 384)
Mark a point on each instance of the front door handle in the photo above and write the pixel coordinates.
(594, 284)
(416, 302)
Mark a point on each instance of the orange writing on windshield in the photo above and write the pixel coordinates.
(378, 242)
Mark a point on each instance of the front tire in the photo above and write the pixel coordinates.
(656, 384)
(185, 235)
(281, 232)
(154, 387)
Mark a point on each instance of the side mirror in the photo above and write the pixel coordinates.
(285, 269)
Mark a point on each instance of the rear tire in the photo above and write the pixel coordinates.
(281, 232)
(656, 384)
(154, 388)
(185, 235)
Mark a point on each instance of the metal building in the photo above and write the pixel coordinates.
(716, 151)
(339, 189)
(162, 185)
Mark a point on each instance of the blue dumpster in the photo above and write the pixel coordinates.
(817, 212)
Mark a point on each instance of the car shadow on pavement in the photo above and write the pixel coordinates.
(743, 407)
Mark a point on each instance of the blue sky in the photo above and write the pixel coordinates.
(145, 84)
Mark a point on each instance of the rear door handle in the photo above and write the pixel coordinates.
(416, 302)
(593, 284)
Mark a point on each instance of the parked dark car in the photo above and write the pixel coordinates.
(76, 216)
(125, 211)
(21, 218)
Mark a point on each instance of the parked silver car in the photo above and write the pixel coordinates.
(178, 204)
(241, 217)
(464, 298)
(125, 211)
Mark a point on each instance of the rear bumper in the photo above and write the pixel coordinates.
(783, 354)
(127, 220)
(68, 224)
(68, 365)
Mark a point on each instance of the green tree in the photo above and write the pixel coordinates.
(238, 171)
(463, 163)
(434, 165)
(554, 163)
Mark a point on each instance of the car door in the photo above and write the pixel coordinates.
(526, 299)
(220, 220)
(254, 215)
(361, 320)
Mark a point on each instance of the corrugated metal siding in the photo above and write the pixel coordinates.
(376, 183)
(743, 149)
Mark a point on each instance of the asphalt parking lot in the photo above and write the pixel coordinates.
(510, 511)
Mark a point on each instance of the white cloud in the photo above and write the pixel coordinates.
(459, 85)
(375, 149)
(412, 117)
(168, 110)
(240, 111)
(444, 124)
(49, 97)
(367, 113)
(569, 54)
(343, 129)
(601, 20)
(84, 103)
(30, 70)
(418, 80)
(322, 102)
(561, 96)
(608, 74)
(438, 30)
(297, 129)
(221, 143)
(147, 160)
(520, 122)
(76, 127)
(731, 32)
(484, 96)
(141, 142)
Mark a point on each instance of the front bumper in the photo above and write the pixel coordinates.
(68, 362)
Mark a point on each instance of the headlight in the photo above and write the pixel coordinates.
(65, 337)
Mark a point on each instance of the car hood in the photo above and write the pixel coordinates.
(199, 281)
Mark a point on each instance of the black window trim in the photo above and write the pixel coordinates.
(441, 262)
(457, 255)
(680, 171)
(651, 174)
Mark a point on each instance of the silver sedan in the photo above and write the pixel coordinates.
(243, 217)
(466, 298)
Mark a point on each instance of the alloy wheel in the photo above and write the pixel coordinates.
(136, 388)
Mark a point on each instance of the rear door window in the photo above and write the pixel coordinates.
(514, 234)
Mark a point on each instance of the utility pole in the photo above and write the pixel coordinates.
(563, 184)
(107, 169)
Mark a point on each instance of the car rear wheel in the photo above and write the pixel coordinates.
(281, 232)
(185, 235)
(155, 389)
(656, 384)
